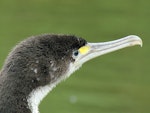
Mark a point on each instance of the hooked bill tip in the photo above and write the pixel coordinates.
(138, 40)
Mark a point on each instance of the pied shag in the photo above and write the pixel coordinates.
(36, 65)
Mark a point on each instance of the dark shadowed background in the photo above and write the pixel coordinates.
(114, 83)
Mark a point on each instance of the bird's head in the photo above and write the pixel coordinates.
(40, 62)
(47, 58)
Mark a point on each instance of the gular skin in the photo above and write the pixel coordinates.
(36, 61)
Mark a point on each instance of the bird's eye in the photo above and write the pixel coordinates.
(76, 53)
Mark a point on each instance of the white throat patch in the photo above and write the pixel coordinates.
(36, 96)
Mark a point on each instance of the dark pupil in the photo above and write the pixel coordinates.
(76, 53)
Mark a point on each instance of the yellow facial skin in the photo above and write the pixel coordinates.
(84, 49)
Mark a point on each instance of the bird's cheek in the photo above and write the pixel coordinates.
(72, 59)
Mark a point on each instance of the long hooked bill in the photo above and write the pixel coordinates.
(92, 50)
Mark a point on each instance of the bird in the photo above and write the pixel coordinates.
(38, 63)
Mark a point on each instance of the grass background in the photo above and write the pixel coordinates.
(115, 83)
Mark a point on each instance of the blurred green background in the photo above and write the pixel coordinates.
(114, 83)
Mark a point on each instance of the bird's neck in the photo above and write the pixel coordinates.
(20, 93)
(12, 98)
(15, 98)
(36, 96)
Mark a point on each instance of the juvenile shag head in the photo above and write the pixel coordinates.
(38, 63)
